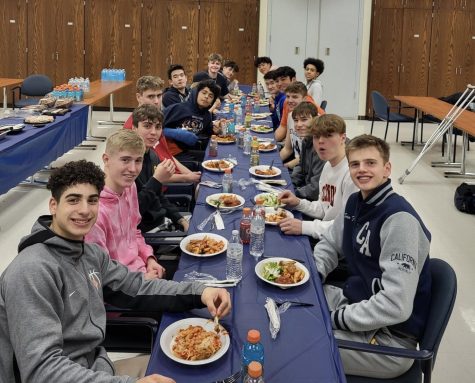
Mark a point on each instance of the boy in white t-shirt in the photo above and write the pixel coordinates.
(329, 135)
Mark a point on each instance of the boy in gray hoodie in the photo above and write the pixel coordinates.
(52, 316)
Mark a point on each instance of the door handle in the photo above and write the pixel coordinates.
(57, 55)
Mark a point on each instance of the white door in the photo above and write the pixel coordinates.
(287, 33)
(339, 39)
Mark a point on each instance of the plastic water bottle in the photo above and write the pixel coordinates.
(238, 116)
(234, 257)
(258, 227)
(254, 88)
(240, 139)
(260, 89)
(247, 143)
(227, 181)
(252, 350)
(254, 373)
(231, 127)
(231, 111)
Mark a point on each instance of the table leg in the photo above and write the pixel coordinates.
(4, 98)
(462, 173)
(416, 142)
(89, 136)
(111, 114)
(448, 162)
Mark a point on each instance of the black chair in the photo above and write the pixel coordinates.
(382, 111)
(129, 333)
(35, 87)
(444, 291)
(323, 105)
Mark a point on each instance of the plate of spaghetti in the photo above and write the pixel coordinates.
(194, 341)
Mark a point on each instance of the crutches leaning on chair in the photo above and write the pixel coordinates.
(446, 125)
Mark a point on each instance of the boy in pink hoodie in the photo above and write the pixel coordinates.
(116, 227)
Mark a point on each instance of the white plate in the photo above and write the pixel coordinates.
(260, 129)
(184, 242)
(216, 196)
(259, 267)
(226, 142)
(252, 170)
(231, 165)
(167, 340)
(260, 116)
(271, 210)
(264, 194)
(270, 147)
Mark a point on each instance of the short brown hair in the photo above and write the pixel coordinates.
(367, 141)
(124, 139)
(146, 112)
(297, 87)
(215, 57)
(328, 124)
(305, 109)
(149, 82)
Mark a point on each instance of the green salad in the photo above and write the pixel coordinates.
(271, 271)
(268, 199)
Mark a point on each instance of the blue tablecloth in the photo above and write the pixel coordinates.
(24, 153)
(305, 350)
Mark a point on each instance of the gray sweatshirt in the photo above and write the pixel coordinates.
(52, 315)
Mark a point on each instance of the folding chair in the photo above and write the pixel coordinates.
(443, 293)
(382, 111)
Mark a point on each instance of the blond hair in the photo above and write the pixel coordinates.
(149, 82)
(125, 139)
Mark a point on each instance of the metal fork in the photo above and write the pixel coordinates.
(231, 379)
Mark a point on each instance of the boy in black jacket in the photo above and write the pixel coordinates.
(154, 205)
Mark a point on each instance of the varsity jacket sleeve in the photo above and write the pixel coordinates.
(32, 293)
(327, 250)
(392, 302)
(124, 288)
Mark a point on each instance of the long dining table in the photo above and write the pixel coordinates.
(304, 349)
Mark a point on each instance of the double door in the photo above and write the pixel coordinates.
(56, 39)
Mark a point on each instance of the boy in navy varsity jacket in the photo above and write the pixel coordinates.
(385, 300)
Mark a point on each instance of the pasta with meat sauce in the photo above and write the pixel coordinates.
(195, 343)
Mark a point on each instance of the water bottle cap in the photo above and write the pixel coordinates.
(253, 336)
(235, 232)
(246, 210)
(227, 171)
(254, 369)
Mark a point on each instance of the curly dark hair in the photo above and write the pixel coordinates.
(74, 173)
(317, 63)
